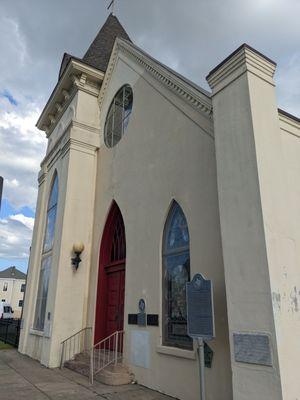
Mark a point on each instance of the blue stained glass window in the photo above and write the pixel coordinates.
(178, 233)
(41, 300)
(42, 294)
(49, 233)
(54, 194)
(176, 273)
(51, 216)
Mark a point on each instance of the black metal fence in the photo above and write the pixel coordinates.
(10, 331)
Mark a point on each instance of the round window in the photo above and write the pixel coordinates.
(118, 116)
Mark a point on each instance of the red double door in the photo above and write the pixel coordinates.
(111, 277)
(115, 299)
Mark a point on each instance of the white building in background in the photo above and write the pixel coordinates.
(161, 179)
(12, 288)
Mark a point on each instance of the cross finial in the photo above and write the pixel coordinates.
(112, 6)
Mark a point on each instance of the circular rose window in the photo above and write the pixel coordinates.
(118, 116)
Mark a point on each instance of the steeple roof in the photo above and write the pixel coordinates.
(98, 54)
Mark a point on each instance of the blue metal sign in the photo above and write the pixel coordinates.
(200, 310)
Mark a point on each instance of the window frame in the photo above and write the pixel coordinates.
(47, 252)
(111, 114)
(5, 287)
(185, 342)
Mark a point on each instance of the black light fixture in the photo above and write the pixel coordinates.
(77, 249)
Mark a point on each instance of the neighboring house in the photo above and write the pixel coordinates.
(12, 288)
(160, 180)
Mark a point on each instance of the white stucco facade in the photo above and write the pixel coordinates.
(230, 159)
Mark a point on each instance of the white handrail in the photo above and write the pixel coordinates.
(106, 352)
(77, 343)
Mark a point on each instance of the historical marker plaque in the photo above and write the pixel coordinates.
(141, 317)
(200, 315)
(252, 348)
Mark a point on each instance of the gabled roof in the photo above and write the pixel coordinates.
(98, 54)
(12, 273)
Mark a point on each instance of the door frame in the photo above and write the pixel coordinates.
(104, 260)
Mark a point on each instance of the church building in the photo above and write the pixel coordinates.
(149, 179)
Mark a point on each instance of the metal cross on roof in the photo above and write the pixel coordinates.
(112, 6)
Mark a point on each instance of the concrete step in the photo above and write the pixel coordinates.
(81, 367)
(115, 375)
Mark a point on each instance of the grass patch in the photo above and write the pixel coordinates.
(5, 346)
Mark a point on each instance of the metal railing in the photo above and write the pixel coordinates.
(78, 343)
(10, 331)
(107, 352)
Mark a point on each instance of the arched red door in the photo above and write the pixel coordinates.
(111, 277)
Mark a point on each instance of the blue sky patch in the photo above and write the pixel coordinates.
(7, 95)
(21, 264)
(7, 209)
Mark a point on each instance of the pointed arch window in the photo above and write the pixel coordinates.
(176, 272)
(42, 295)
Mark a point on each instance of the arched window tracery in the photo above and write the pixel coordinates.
(176, 272)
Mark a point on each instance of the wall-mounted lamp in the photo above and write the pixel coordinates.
(77, 249)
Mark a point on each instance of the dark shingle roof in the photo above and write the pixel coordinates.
(98, 54)
(12, 273)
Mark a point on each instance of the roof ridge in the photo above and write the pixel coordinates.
(189, 82)
(12, 272)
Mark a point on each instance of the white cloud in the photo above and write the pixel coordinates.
(22, 149)
(24, 122)
(15, 236)
(27, 221)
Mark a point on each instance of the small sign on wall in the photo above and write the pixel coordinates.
(140, 348)
(252, 348)
(141, 317)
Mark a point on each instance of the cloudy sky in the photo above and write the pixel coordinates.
(191, 36)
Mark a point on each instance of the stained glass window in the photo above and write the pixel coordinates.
(42, 294)
(51, 217)
(118, 116)
(176, 272)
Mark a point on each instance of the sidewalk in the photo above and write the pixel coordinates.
(22, 378)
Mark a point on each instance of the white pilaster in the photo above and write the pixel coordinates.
(255, 225)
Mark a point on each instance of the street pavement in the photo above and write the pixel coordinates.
(26, 379)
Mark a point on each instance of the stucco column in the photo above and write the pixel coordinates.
(255, 226)
(34, 264)
(70, 286)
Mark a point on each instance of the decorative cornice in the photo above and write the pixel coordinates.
(60, 146)
(77, 76)
(289, 123)
(84, 126)
(41, 177)
(75, 144)
(180, 87)
(244, 59)
(289, 116)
